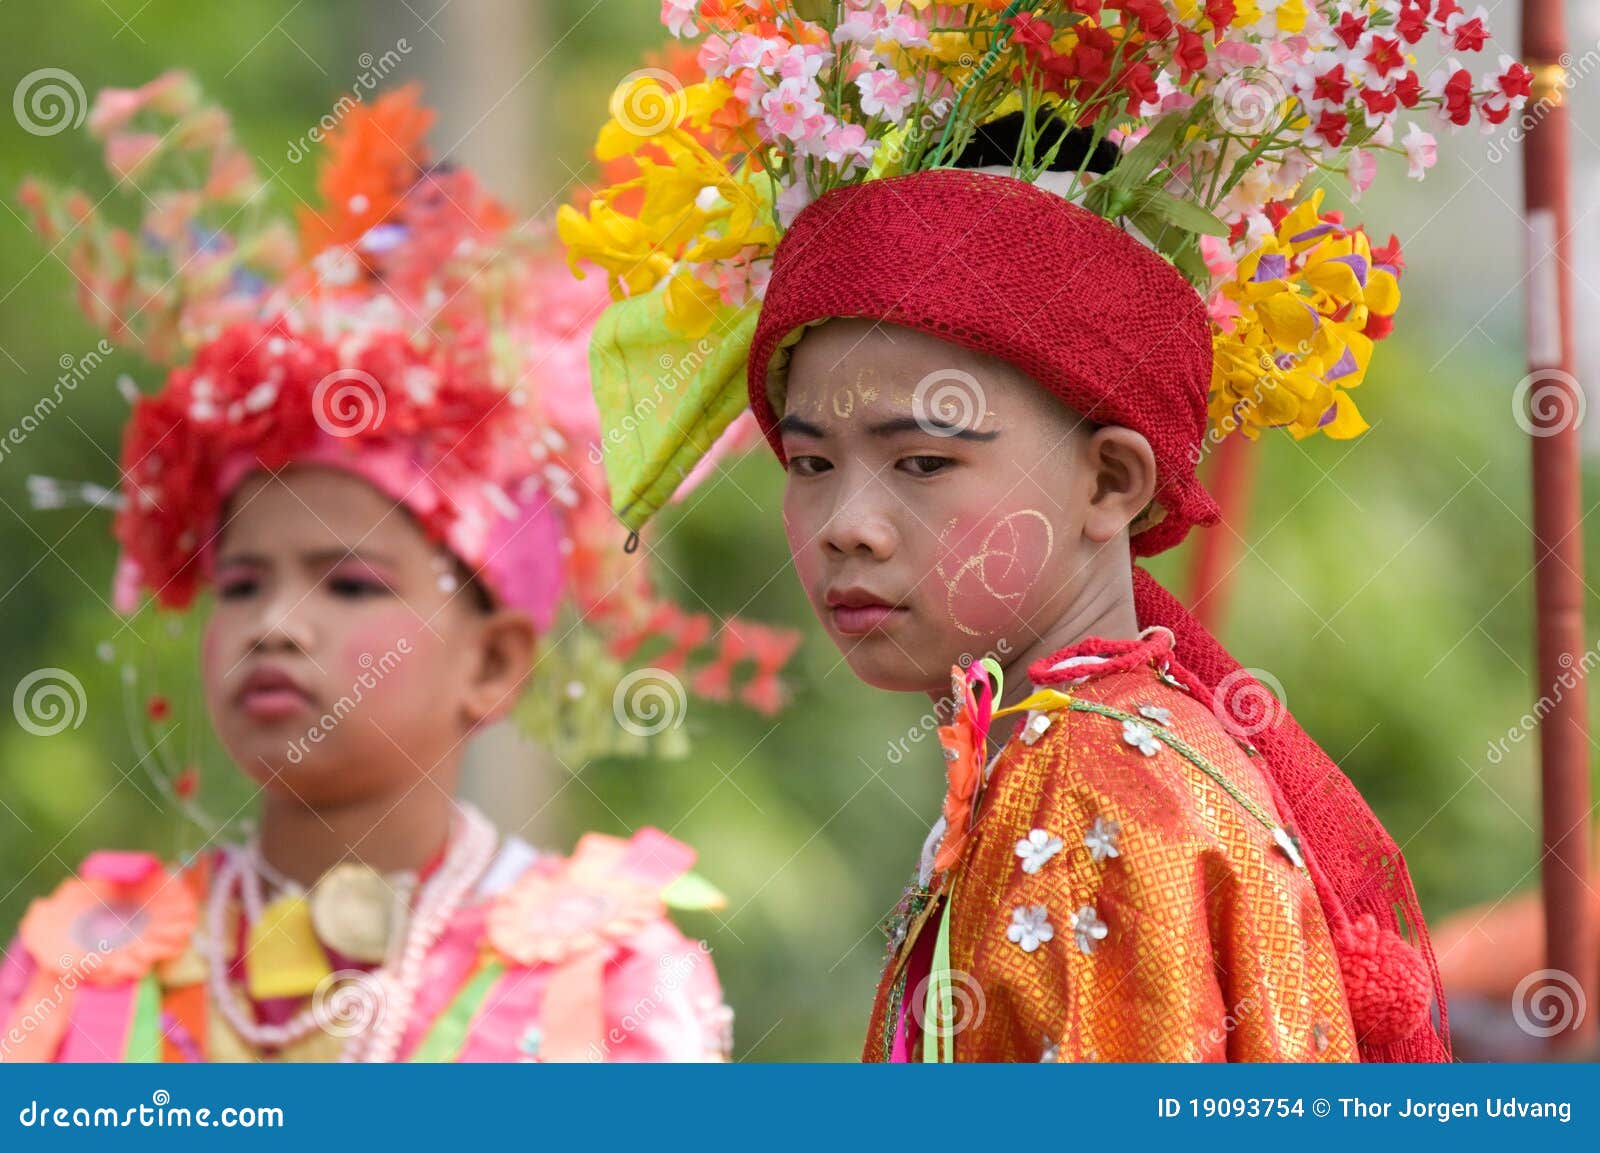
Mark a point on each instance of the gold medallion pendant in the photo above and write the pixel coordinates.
(353, 912)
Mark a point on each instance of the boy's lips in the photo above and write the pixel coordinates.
(270, 693)
(857, 612)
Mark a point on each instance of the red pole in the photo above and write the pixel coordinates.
(1231, 479)
(1556, 404)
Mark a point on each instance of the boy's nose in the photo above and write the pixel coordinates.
(283, 624)
(861, 524)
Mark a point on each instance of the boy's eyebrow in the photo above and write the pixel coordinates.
(931, 427)
(325, 556)
(793, 423)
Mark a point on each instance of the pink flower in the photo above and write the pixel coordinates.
(847, 145)
(791, 200)
(113, 107)
(802, 61)
(1421, 151)
(753, 52)
(906, 30)
(791, 108)
(126, 152)
(678, 16)
(861, 26)
(884, 92)
(1360, 168)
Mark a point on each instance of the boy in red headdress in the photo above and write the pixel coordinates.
(990, 390)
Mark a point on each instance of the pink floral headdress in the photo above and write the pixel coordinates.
(402, 330)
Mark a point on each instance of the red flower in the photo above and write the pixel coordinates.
(1458, 97)
(1385, 55)
(1221, 14)
(1471, 35)
(1408, 89)
(1349, 28)
(1445, 10)
(1413, 22)
(1332, 85)
(1151, 15)
(1333, 126)
(1494, 110)
(187, 782)
(1390, 256)
(1190, 54)
(158, 708)
(1379, 101)
(1517, 80)
(1140, 84)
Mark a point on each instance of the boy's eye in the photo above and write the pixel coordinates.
(236, 587)
(356, 586)
(924, 465)
(808, 465)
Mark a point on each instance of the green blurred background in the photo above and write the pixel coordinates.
(1386, 587)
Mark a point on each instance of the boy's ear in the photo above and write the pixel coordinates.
(1124, 480)
(505, 640)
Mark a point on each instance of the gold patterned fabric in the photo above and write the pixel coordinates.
(1175, 929)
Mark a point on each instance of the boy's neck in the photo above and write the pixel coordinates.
(389, 831)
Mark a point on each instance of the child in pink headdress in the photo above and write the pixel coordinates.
(389, 499)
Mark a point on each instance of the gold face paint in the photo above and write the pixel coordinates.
(997, 567)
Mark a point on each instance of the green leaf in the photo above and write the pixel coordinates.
(1142, 159)
(693, 893)
(1185, 214)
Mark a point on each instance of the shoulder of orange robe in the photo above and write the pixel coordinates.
(1194, 782)
(538, 958)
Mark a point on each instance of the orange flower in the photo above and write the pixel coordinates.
(554, 918)
(373, 156)
(122, 914)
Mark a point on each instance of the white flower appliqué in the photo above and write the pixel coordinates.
(1088, 930)
(1036, 849)
(1030, 927)
(1140, 737)
(1101, 839)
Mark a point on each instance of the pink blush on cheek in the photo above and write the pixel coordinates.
(379, 642)
(989, 565)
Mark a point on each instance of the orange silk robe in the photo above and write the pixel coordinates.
(1214, 948)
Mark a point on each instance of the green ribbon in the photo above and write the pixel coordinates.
(443, 1041)
(144, 1030)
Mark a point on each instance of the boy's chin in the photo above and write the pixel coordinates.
(883, 666)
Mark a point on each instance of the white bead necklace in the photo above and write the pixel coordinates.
(382, 999)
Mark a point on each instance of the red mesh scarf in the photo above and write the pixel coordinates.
(1001, 267)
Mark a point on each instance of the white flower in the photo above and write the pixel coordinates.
(1101, 839)
(1087, 928)
(1036, 849)
(1165, 672)
(1030, 927)
(1156, 713)
(1140, 737)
